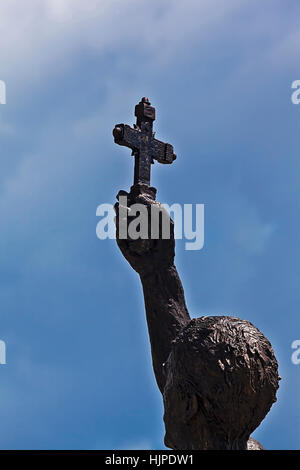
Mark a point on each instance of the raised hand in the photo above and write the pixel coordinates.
(147, 243)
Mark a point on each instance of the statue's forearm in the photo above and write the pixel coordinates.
(166, 314)
(166, 311)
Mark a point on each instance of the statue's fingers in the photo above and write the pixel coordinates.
(116, 208)
(120, 208)
(123, 245)
(122, 193)
(145, 200)
(121, 224)
(120, 221)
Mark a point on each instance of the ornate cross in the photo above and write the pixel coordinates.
(141, 141)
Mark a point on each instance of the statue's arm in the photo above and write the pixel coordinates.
(166, 311)
(166, 314)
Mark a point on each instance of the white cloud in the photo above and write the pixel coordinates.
(41, 38)
(45, 35)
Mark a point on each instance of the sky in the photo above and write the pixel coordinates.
(78, 371)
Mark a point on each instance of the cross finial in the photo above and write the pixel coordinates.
(144, 146)
(144, 112)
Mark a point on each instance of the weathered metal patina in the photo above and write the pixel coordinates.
(141, 140)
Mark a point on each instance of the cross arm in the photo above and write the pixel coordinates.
(127, 136)
(162, 152)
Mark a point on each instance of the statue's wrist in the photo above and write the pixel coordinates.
(156, 270)
(140, 189)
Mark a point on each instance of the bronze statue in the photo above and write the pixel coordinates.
(217, 374)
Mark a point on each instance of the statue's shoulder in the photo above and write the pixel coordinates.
(253, 444)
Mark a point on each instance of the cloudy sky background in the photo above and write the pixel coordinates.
(78, 372)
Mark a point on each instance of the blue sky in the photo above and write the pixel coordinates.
(78, 372)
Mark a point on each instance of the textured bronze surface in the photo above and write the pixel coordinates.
(142, 142)
(218, 375)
